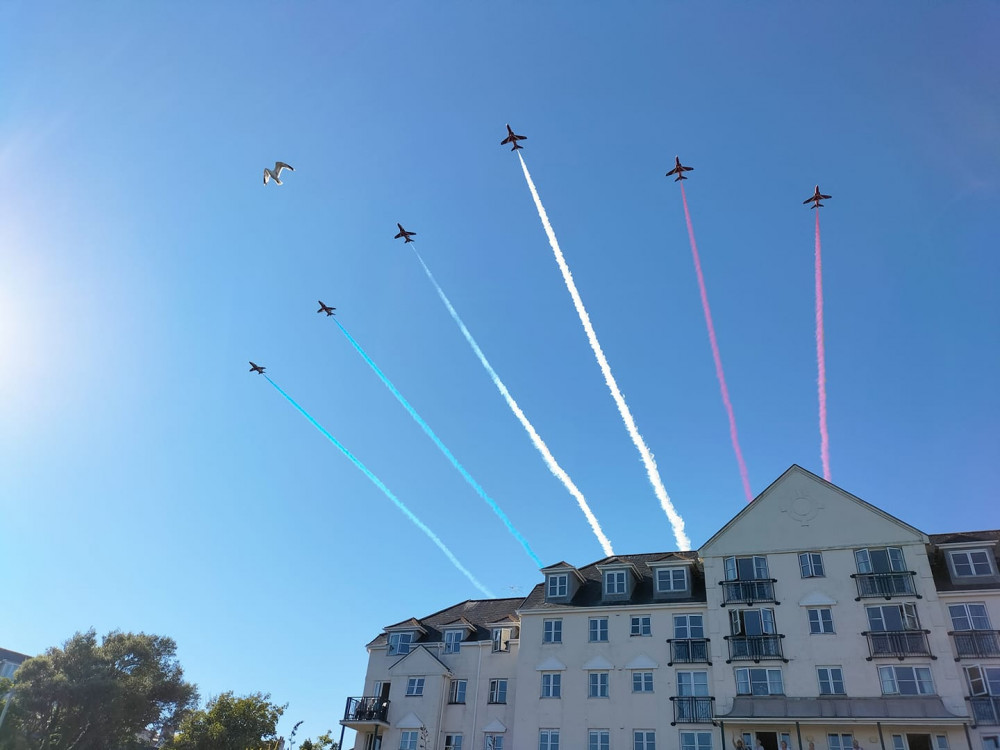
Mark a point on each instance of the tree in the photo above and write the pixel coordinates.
(324, 742)
(229, 722)
(86, 696)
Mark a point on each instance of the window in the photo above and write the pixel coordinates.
(415, 686)
(548, 739)
(840, 741)
(751, 621)
(671, 579)
(598, 685)
(552, 631)
(599, 739)
(642, 682)
(558, 585)
(991, 742)
(641, 625)
(372, 742)
(408, 740)
(688, 626)
(983, 680)
(453, 742)
(643, 739)
(692, 683)
(941, 742)
(831, 680)
(820, 620)
(811, 565)
(969, 616)
(971, 563)
(494, 742)
(882, 560)
(399, 643)
(893, 617)
(898, 742)
(457, 694)
(551, 685)
(696, 741)
(906, 680)
(746, 568)
(614, 582)
(501, 640)
(498, 691)
(759, 682)
(598, 629)
(452, 641)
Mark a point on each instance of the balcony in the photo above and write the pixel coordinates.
(985, 710)
(976, 644)
(689, 709)
(755, 648)
(366, 712)
(885, 585)
(688, 651)
(898, 644)
(748, 591)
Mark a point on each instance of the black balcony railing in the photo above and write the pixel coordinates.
(368, 708)
(748, 591)
(688, 651)
(690, 709)
(985, 710)
(755, 648)
(976, 644)
(897, 643)
(884, 585)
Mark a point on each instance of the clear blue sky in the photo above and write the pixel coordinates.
(149, 482)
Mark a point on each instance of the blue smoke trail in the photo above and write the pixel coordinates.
(442, 447)
(378, 483)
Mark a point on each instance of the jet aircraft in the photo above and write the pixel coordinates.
(679, 170)
(816, 198)
(256, 368)
(275, 174)
(404, 234)
(511, 138)
(326, 309)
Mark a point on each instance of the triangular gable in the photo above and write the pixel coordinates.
(410, 721)
(773, 522)
(817, 599)
(495, 727)
(598, 662)
(642, 662)
(552, 664)
(419, 661)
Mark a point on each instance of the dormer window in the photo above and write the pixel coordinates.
(399, 643)
(453, 641)
(501, 640)
(670, 580)
(972, 563)
(615, 583)
(558, 586)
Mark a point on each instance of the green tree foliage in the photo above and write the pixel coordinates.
(90, 696)
(229, 722)
(323, 742)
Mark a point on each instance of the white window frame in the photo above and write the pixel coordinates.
(552, 630)
(400, 643)
(493, 741)
(907, 615)
(894, 557)
(615, 580)
(978, 621)
(643, 739)
(758, 564)
(598, 626)
(971, 563)
(987, 677)
(811, 565)
(772, 678)
(453, 641)
(408, 739)
(830, 679)
(415, 686)
(642, 625)
(495, 693)
(692, 683)
(688, 626)
(453, 742)
(818, 624)
(889, 679)
(692, 740)
(548, 739)
(557, 586)
(991, 742)
(667, 580)
(598, 739)
(765, 616)
(501, 638)
(599, 684)
(457, 690)
(551, 685)
(839, 741)
(643, 679)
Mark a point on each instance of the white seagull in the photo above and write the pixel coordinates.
(275, 174)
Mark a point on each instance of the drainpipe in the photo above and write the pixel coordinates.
(881, 738)
(475, 707)
(722, 731)
(798, 733)
(968, 737)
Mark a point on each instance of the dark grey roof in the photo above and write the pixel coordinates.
(13, 656)
(939, 565)
(478, 613)
(992, 535)
(779, 707)
(590, 592)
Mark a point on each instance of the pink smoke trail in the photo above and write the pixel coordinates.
(821, 359)
(715, 352)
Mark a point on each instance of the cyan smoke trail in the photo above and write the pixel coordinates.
(824, 436)
(676, 522)
(378, 483)
(715, 352)
(536, 439)
(441, 446)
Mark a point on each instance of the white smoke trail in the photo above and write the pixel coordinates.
(647, 457)
(536, 439)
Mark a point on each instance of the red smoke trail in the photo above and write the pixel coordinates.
(821, 359)
(715, 352)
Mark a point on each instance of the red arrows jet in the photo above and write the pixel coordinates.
(679, 170)
(326, 309)
(816, 198)
(404, 234)
(256, 368)
(511, 138)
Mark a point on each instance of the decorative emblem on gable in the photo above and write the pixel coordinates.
(802, 509)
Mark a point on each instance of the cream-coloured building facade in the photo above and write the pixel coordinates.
(812, 619)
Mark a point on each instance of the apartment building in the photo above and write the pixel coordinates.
(813, 620)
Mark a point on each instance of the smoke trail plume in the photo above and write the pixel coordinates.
(715, 352)
(821, 360)
(398, 503)
(676, 522)
(442, 447)
(536, 439)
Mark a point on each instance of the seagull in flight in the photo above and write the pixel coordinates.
(275, 174)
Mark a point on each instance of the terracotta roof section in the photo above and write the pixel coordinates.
(478, 613)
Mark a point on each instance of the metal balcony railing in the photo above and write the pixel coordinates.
(690, 709)
(755, 648)
(748, 591)
(885, 585)
(985, 710)
(897, 643)
(976, 644)
(368, 708)
(688, 651)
